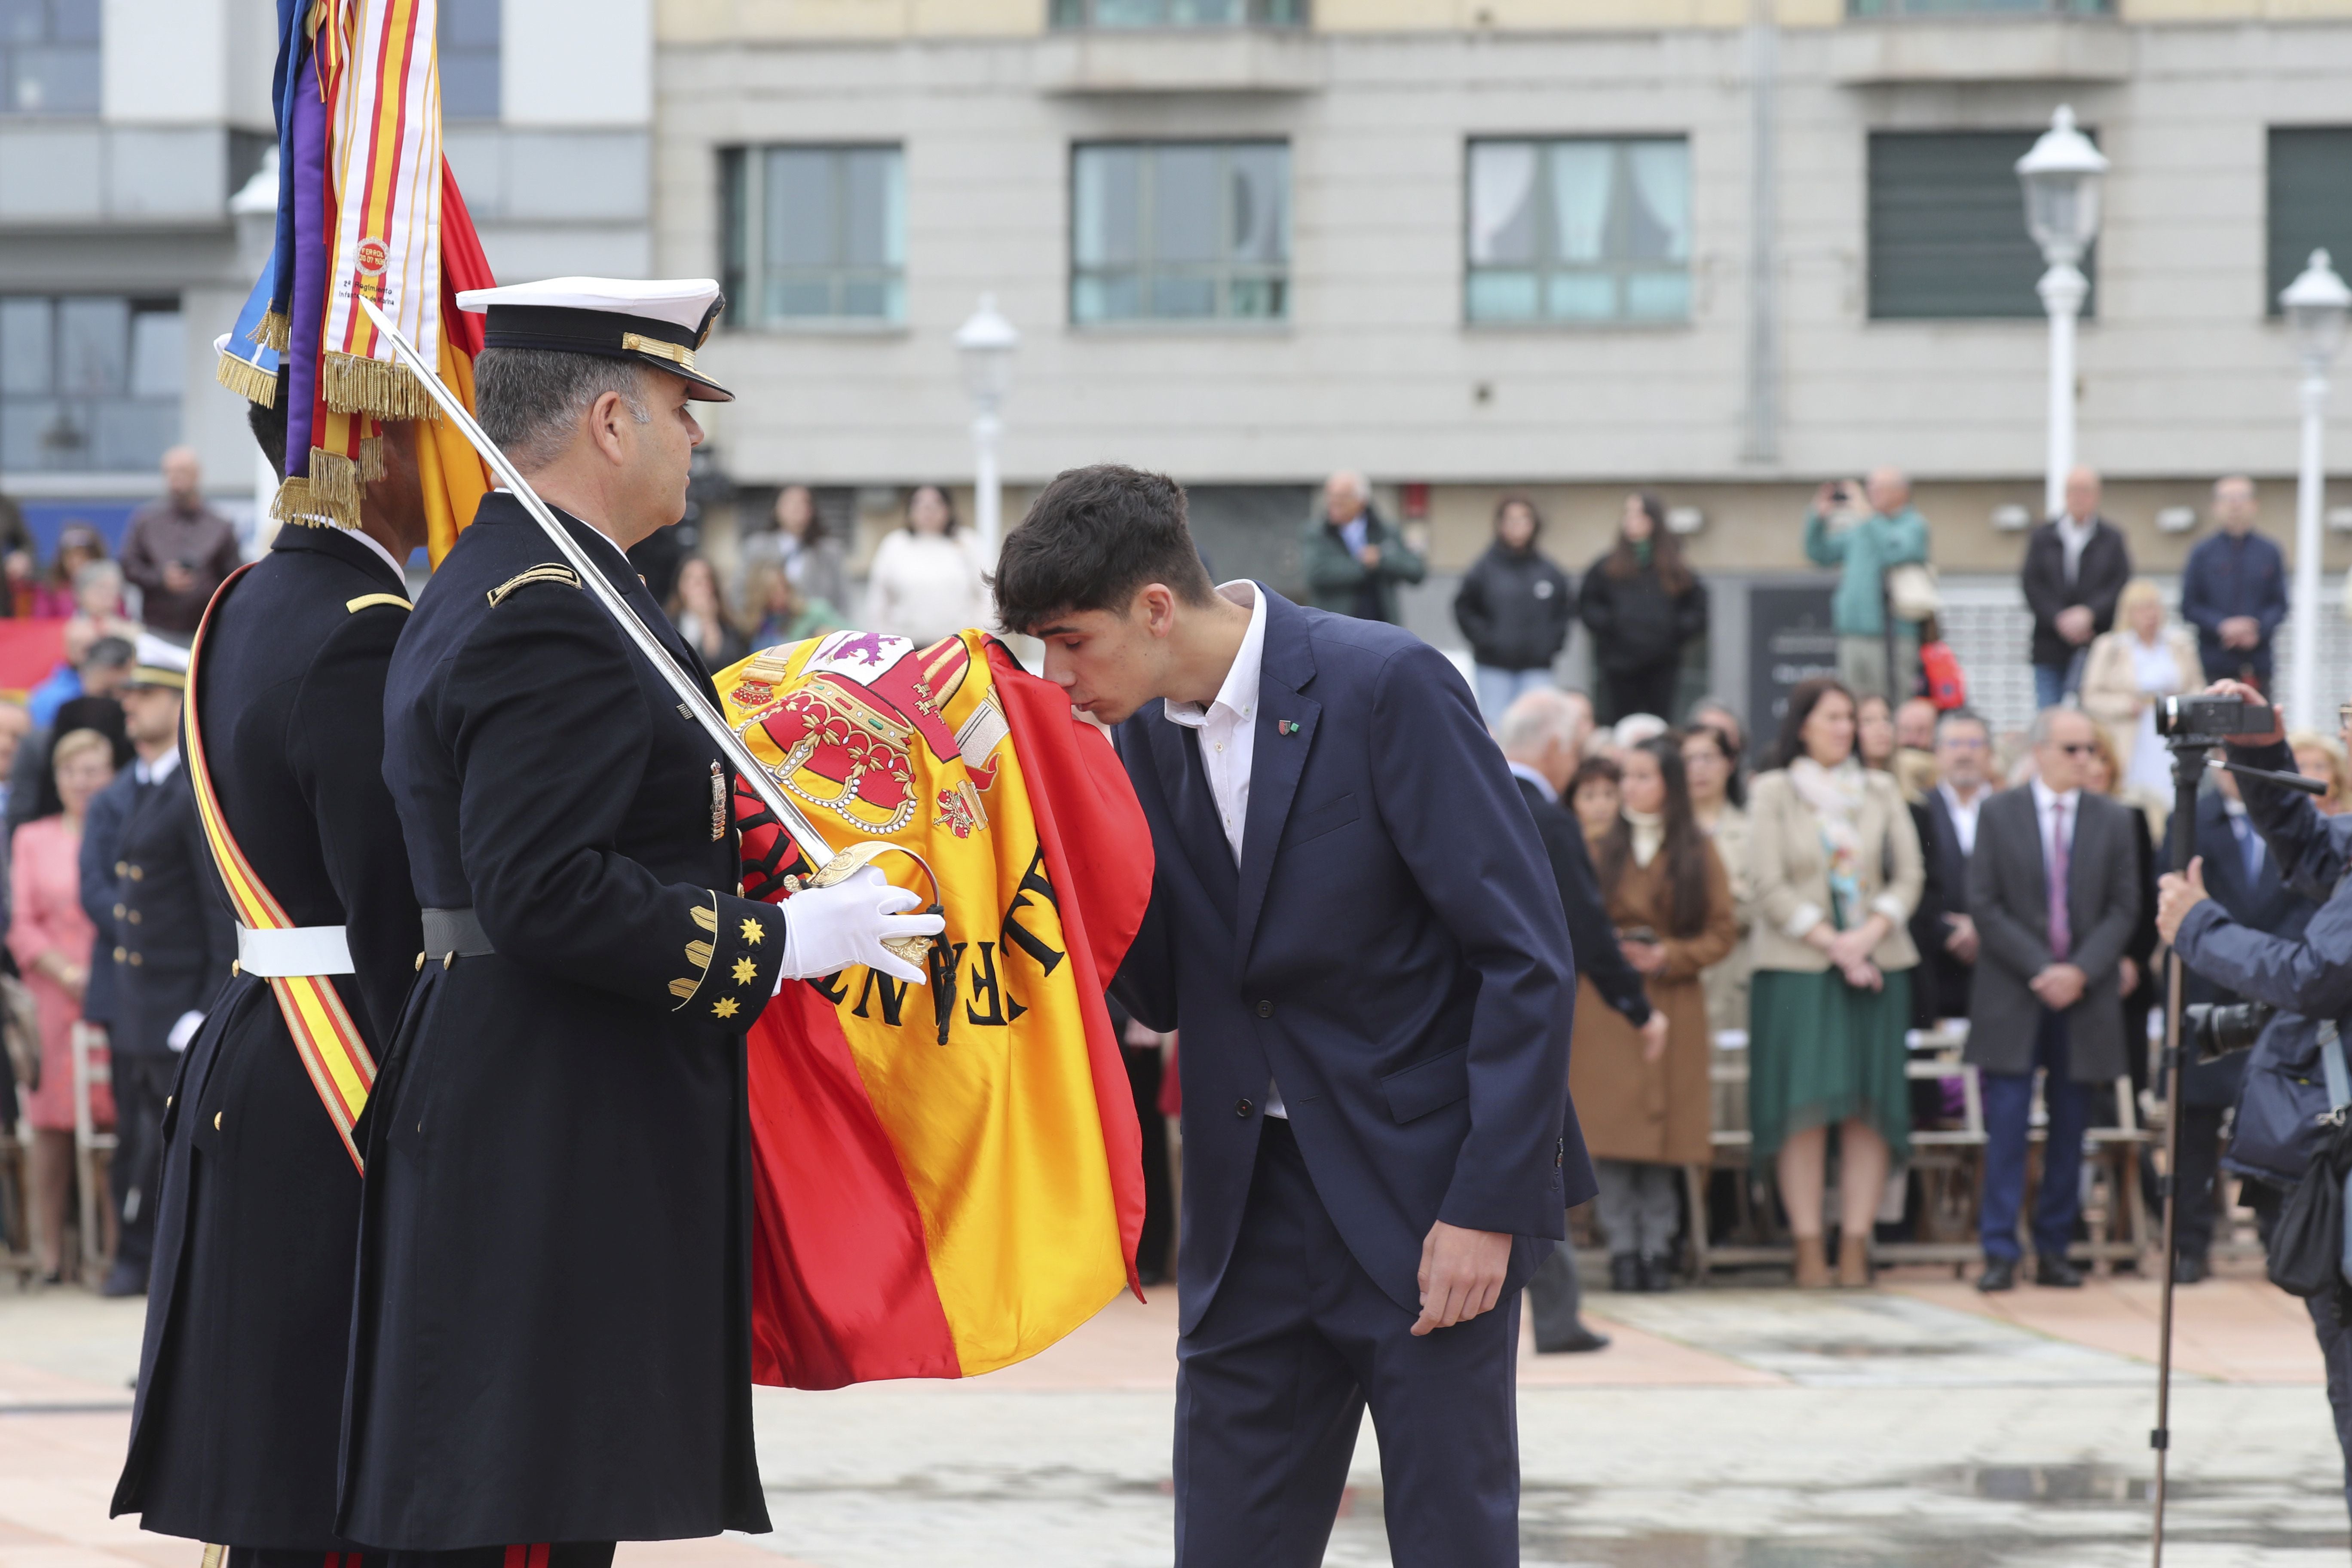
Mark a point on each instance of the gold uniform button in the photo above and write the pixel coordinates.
(137, 875)
(120, 955)
(216, 1116)
(122, 867)
(118, 912)
(136, 960)
(420, 963)
(133, 917)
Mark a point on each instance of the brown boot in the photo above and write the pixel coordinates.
(1812, 1264)
(1853, 1262)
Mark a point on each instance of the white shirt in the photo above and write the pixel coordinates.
(2074, 536)
(1228, 734)
(2043, 799)
(382, 555)
(159, 770)
(1228, 725)
(1964, 813)
(1543, 784)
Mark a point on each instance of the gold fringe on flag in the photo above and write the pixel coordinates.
(354, 384)
(247, 379)
(329, 497)
(272, 332)
(371, 458)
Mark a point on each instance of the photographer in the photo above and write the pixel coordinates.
(2309, 978)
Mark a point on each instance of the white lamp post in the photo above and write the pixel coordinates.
(986, 342)
(2061, 176)
(2314, 304)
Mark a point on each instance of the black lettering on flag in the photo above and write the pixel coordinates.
(894, 996)
(1015, 935)
(1001, 1008)
(831, 988)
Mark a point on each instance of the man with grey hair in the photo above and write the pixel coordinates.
(1867, 529)
(1353, 558)
(2234, 589)
(2053, 890)
(178, 549)
(1540, 734)
(571, 1064)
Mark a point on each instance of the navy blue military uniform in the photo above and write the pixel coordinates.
(173, 943)
(241, 1376)
(551, 1335)
(1390, 950)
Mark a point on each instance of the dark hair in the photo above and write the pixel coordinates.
(530, 401)
(946, 502)
(1094, 539)
(1789, 744)
(817, 527)
(1665, 550)
(1534, 513)
(1879, 697)
(73, 534)
(267, 422)
(109, 653)
(1686, 847)
(1735, 786)
(1592, 769)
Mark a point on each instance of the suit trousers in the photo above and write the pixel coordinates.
(543, 1554)
(2008, 1107)
(1144, 1071)
(1639, 1213)
(1272, 1386)
(142, 1082)
(1556, 1297)
(2199, 1183)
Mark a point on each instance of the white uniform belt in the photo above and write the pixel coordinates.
(296, 951)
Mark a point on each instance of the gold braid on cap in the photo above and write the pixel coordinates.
(681, 357)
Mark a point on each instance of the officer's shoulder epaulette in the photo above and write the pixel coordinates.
(550, 573)
(369, 601)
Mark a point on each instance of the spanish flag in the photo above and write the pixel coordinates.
(946, 1180)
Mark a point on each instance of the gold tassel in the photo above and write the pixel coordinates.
(328, 497)
(274, 332)
(371, 458)
(247, 380)
(357, 386)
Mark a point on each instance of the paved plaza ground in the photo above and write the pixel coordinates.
(1916, 1426)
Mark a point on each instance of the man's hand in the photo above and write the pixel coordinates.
(2060, 987)
(2126, 976)
(1960, 941)
(1460, 1273)
(1653, 1035)
(2177, 893)
(2241, 631)
(2240, 689)
(2076, 623)
(1647, 957)
(1369, 556)
(177, 577)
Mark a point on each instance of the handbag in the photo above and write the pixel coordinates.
(1911, 591)
(2308, 1250)
(2282, 1112)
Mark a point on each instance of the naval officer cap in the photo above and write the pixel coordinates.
(158, 662)
(658, 322)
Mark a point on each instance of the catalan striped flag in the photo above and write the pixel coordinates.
(946, 1179)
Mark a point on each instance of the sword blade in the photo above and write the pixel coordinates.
(691, 692)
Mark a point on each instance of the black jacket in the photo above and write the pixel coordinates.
(1592, 936)
(1941, 975)
(2266, 904)
(241, 1378)
(581, 1083)
(174, 939)
(1515, 608)
(1634, 622)
(2099, 580)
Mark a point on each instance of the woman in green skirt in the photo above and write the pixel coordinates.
(1835, 866)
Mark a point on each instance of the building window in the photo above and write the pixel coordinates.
(1980, 7)
(88, 382)
(1179, 231)
(815, 234)
(1179, 12)
(2310, 201)
(1947, 239)
(466, 49)
(48, 57)
(1580, 230)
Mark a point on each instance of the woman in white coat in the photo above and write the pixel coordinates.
(926, 579)
(2129, 670)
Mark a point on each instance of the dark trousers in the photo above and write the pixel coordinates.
(2200, 1184)
(1143, 1073)
(2008, 1106)
(2336, 1350)
(1272, 1386)
(143, 1082)
(278, 1557)
(1556, 1297)
(558, 1554)
(1650, 689)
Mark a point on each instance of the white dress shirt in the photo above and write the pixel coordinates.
(1543, 784)
(1228, 737)
(159, 770)
(2073, 535)
(1964, 813)
(383, 556)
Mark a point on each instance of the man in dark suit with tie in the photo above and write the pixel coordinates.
(2243, 876)
(1538, 733)
(1944, 932)
(2075, 568)
(2053, 889)
(1353, 925)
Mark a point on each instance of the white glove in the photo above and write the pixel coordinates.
(828, 929)
(183, 1029)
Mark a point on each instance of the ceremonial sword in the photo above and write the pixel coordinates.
(827, 865)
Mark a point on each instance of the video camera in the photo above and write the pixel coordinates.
(2199, 718)
(2211, 1030)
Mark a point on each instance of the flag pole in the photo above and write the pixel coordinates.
(692, 694)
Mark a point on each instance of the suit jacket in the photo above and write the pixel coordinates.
(174, 941)
(2225, 577)
(101, 888)
(2099, 580)
(2008, 897)
(1392, 949)
(1590, 935)
(241, 1377)
(1942, 976)
(1791, 876)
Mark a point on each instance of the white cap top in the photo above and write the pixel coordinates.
(682, 301)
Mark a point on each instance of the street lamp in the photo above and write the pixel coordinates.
(2061, 176)
(986, 343)
(2315, 305)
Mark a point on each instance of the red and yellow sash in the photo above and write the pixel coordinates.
(333, 1053)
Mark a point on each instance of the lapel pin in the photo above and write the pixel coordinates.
(1286, 726)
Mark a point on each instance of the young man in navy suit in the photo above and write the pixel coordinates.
(1353, 924)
